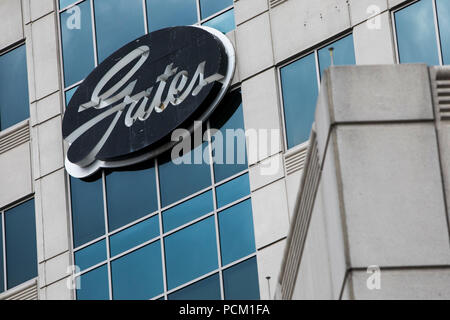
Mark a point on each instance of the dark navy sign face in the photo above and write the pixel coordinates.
(126, 109)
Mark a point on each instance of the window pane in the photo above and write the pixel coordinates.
(191, 253)
(233, 190)
(210, 7)
(416, 35)
(229, 151)
(343, 54)
(88, 218)
(2, 280)
(206, 289)
(224, 23)
(443, 9)
(188, 211)
(69, 95)
(169, 13)
(77, 45)
(178, 181)
(94, 285)
(131, 195)
(240, 282)
(117, 23)
(138, 275)
(14, 104)
(135, 235)
(91, 255)
(299, 86)
(237, 238)
(64, 3)
(20, 238)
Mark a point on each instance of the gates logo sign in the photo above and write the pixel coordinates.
(126, 109)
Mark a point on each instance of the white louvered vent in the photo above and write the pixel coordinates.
(11, 138)
(303, 212)
(443, 95)
(26, 291)
(274, 3)
(296, 161)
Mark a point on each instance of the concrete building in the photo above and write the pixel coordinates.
(366, 185)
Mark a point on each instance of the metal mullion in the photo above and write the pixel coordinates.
(94, 33)
(73, 85)
(438, 34)
(161, 235)
(135, 248)
(283, 118)
(187, 284)
(236, 175)
(105, 212)
(132, 224)
(216, 219)
(87, 244)
(72, 254)
(144, 7)
(232, 204)
(188, 224)
(191, 196)
(5, 276)
(199, 14)
(69, 6)
(87, 270)
(218, 13)
(317, 63)
(394, 29)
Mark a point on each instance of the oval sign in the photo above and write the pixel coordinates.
(125, 111)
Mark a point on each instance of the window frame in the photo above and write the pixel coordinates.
(436, 29)
(312, 50)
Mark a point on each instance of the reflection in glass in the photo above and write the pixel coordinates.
(88, 218)
(20, 240)
(131, 195)
(91, 255)
(230, 156)
(299, 86)
(94, 285)
(416, 37)
(188, 211)
(206, 289)
(343, 53)
(77, 45)
(178, 181)
(233, 190)
(170, 13)
(191, 253)
(135, 235)
(138, 275)
(237, 238)
(210, 7)
(14, 103)
(443, 11)
(224, 23)
(117, 23)
(240, 282)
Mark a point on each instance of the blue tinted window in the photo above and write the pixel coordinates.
(138, 275)
(88, 217)
(233, 190)
(188, 211)
(206, 289)
(64, 3)
(135, 235)
(77, 45)
(224, 23)
(20, 235)
(2, 280)
(117, 23)
(240, 282)
(131, 195)
(343, 53)
(230, 157)
(177, 181)
(91, 255)
(94, 285)
(416, 35)
(191, 253)
(237, 238)
(443, 10)
(169, 13)
(299, 85)
(14, 104)
(210, 7)
(69, 95)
